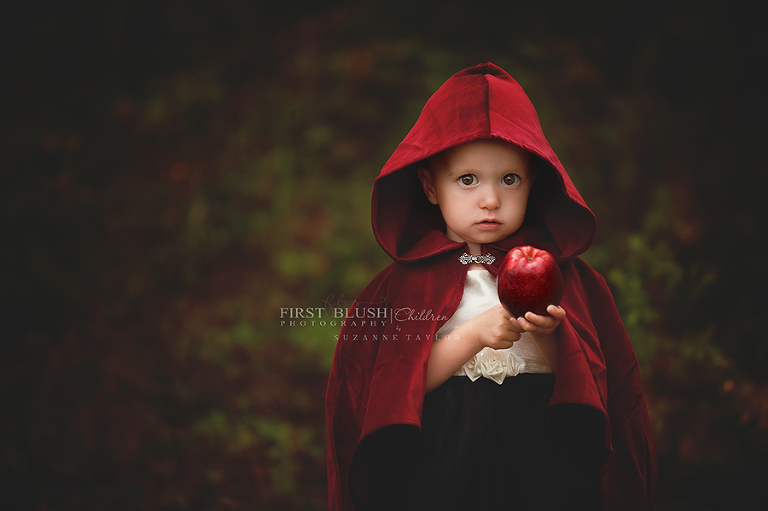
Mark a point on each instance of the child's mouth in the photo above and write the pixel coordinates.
(488, 225)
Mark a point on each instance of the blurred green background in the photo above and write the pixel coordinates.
(173, 173)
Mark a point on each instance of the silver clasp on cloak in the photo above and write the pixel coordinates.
(482, 259)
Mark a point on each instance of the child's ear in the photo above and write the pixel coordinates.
(425, 176)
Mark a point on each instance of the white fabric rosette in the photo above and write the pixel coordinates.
(493, 364)
(471, 369)
(514, 365)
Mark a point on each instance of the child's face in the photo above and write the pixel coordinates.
(482, 189)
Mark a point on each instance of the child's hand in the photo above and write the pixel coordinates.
(542, 325)
(495, 328)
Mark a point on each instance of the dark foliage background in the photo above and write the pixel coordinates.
(173, 173)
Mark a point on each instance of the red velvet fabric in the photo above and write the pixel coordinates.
(379, 372)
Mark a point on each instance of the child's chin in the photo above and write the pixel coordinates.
(491, 238)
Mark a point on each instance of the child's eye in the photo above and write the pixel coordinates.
(468, 179)
(510, 179)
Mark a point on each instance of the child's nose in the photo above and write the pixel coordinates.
(490, 199)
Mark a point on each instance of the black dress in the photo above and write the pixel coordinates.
(486, 446)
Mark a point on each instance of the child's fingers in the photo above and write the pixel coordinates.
(509, 339)
(542, 324)
(515, 325)
(556, 312)
(531, 319)
(529, 326)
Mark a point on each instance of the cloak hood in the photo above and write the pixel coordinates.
(482, 102)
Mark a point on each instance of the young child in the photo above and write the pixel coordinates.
(438, 398)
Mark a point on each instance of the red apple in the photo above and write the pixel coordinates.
(529, 280)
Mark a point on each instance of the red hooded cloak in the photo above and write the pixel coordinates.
(379, 371)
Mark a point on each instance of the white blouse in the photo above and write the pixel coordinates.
(523, 357)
